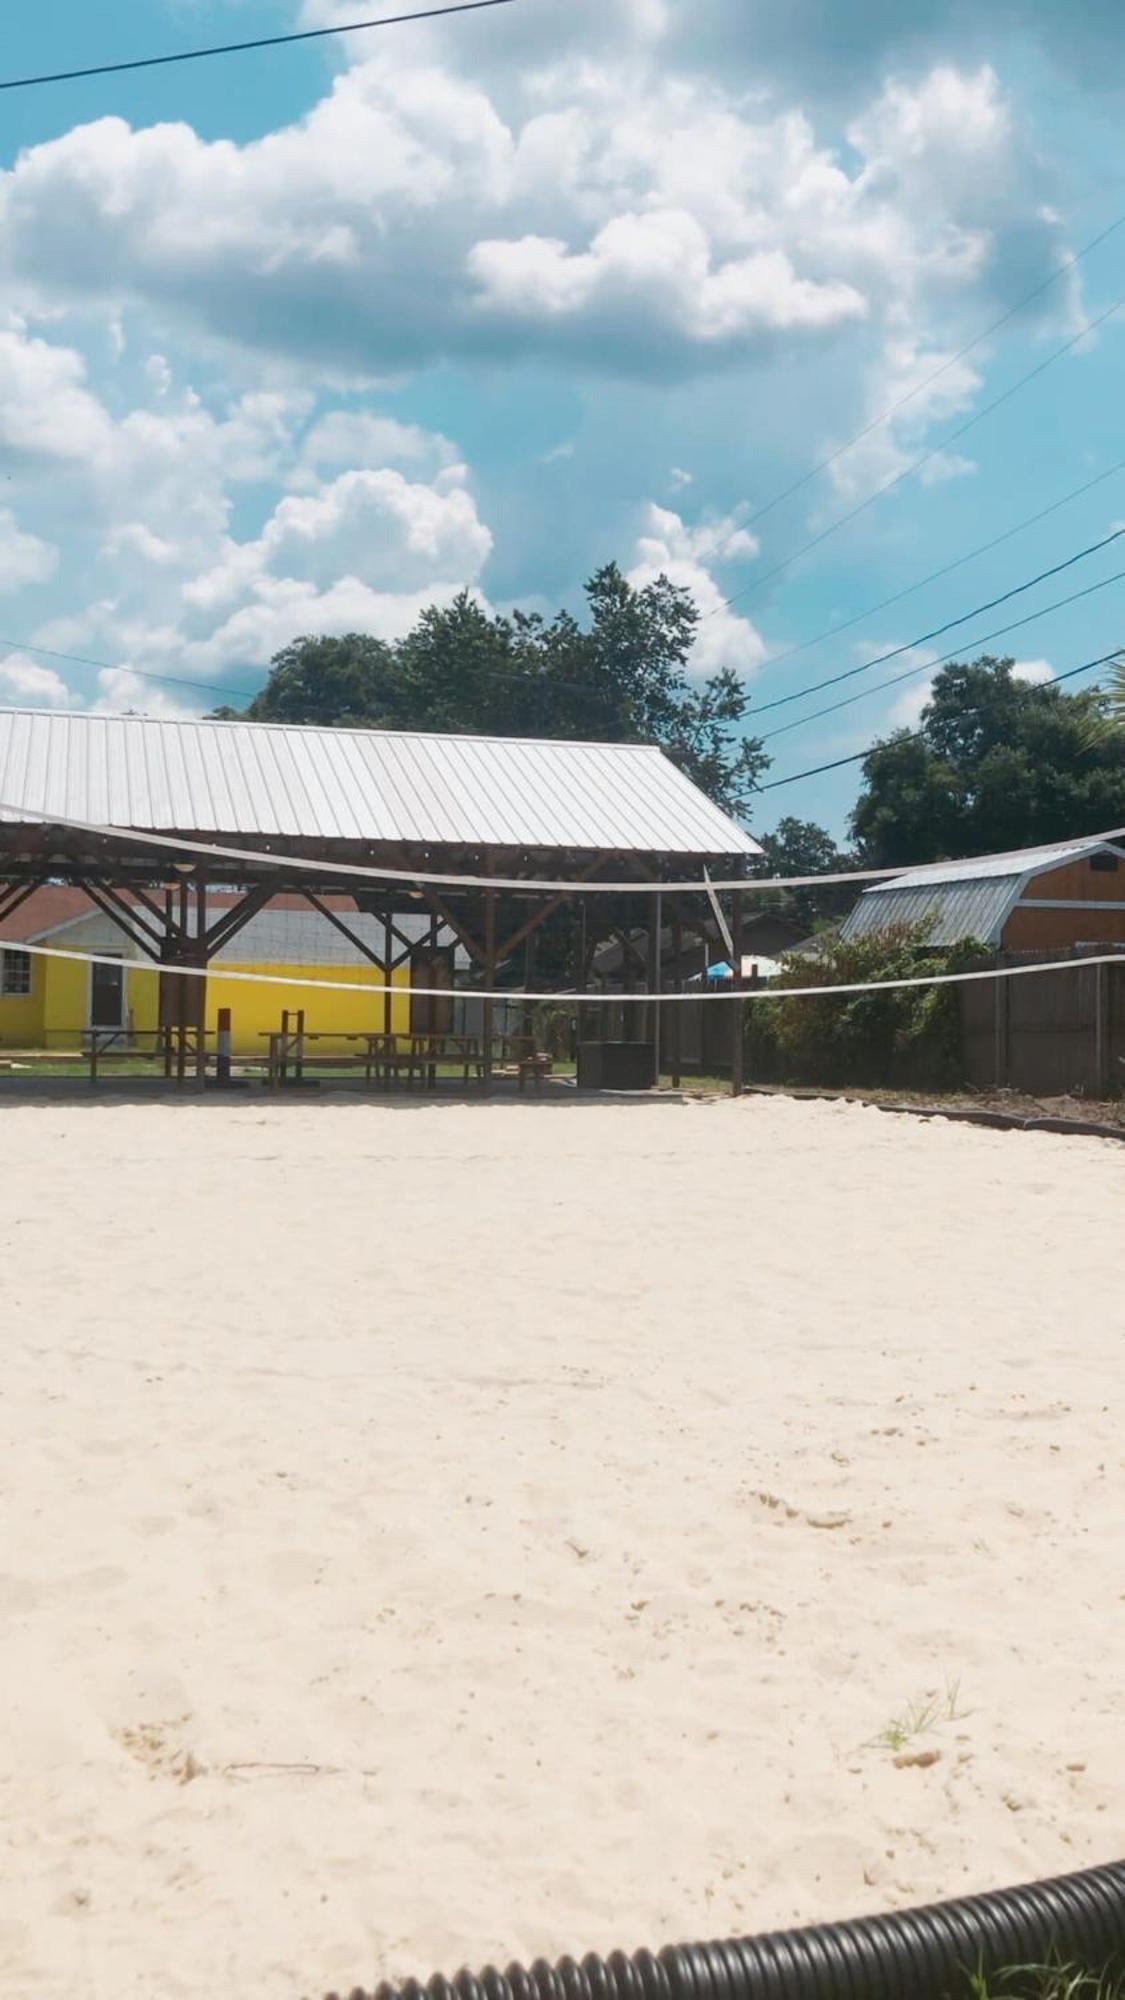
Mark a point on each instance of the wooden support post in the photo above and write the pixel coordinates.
(583, 980)
(388, 976)
(738, 1006)
(628, 1012)
(430, 1010)
(677, 1011)
(181, 990)
(199, 996)
(489, 1012)
(1103, 1082)
(655, 978)
(1000, 1034)
(527, 1024)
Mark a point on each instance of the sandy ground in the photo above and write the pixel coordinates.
(439, 1532)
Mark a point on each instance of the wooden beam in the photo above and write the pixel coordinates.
(407, 943)
(436, 902)
(110, 904)
(18, 895)
(112, 893)
(548, 910)
(228, 924)
(346, 931)
(153, 909)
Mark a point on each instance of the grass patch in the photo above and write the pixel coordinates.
(1048, 1982)
(920, 1718)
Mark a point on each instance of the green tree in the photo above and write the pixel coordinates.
(1109, 723)
(801, 847)
(328, 682)
(904, 1036)
(621, 675)
(997, 763)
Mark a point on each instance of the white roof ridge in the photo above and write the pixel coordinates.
(988, 867)
(335, 729)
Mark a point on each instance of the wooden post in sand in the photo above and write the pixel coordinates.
(738, 1009)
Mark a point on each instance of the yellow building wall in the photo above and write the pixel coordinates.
(65, 986)
(256, 1010)
(21, 1014)
(57, 1011)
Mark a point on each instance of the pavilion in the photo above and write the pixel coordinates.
(131, 809)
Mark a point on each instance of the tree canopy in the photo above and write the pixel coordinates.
(997, 763)
(620, 675)
(801, 847)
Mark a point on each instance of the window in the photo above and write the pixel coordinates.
(1103, 864)
(15, 973)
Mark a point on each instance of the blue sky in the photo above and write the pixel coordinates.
(304, 339)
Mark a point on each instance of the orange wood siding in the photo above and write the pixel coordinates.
(1078, 882)
(1032, 929)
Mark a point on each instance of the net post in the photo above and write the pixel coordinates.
(738, 1011)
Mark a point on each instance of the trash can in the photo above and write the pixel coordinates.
(616, 1066)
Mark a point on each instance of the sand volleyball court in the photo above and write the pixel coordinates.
(432, 1533)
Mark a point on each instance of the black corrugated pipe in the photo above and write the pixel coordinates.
(925, 1954)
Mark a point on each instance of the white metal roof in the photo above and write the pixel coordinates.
(263, 779)
(950, 910)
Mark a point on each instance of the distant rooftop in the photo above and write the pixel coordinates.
(1020, 861)
(963, 899)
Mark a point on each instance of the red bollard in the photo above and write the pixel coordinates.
(222, 1058)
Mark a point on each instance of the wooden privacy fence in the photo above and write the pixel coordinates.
(1053, 1034)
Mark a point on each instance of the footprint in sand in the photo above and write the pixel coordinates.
(154, 1745)
(787, 1513)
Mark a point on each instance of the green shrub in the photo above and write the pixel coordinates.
(908, 1037)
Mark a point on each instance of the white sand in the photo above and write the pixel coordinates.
(416, 1535)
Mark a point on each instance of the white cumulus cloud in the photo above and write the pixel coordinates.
(686, 555)
(24, 558)
(24, 683)
(642, 221)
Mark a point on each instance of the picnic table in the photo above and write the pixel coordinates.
(384, 1058)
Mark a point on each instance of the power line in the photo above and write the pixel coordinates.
(888, 485)
(927, 380)
(240, 48)
(547, 680)
(911, 735)
(139, 673)
(927, 666)
(594, 688)
(923, 639)
(985, 548)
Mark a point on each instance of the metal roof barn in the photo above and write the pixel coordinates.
(960, 900)
(363, 785)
